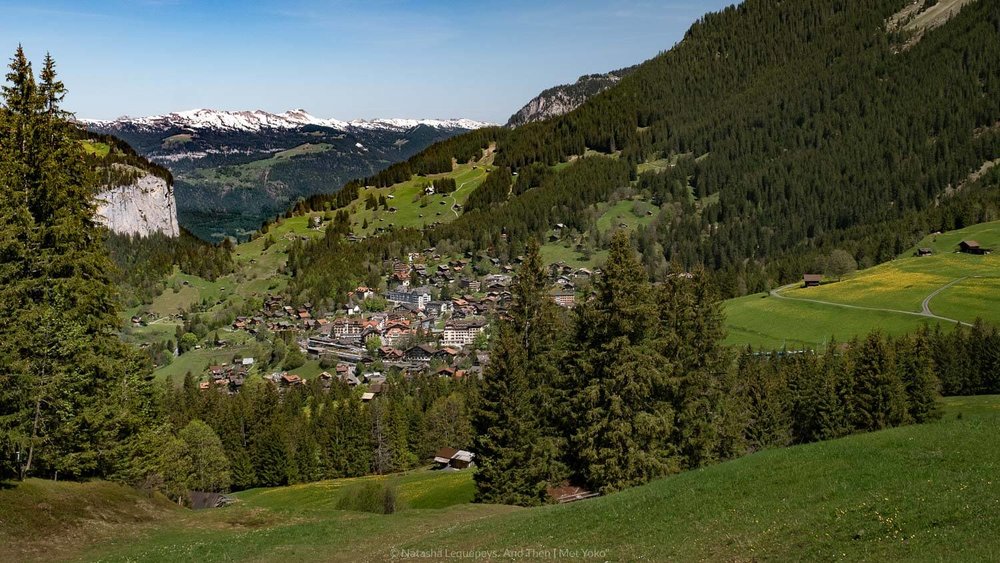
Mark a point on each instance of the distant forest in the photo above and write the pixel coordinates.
(792, 129)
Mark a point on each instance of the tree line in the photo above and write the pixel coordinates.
(637, 385)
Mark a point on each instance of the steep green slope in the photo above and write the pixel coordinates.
(799, 127)
(919, 492)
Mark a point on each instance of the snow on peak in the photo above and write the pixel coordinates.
(257, 120)
(398, 123)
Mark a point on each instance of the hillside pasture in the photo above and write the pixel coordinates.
(925, 492)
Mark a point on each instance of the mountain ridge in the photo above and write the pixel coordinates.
(256, 120)
(564, 98)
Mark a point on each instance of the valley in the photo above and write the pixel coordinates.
(737, 302)
(235, 170)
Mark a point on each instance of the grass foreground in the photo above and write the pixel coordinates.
(928, 492)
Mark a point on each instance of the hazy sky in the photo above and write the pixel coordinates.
(336, 58)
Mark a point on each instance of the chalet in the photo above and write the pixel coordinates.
(448, 372)
(924, 252)
(419, 353)
(446, 354)
(972, 247)
(288, 380)
(462, 333)
(811, 280)
(390, 354)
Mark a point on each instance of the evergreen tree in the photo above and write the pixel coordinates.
(879, 396)
(917, 371)
(692, 330)
(516, 459)
(69, 414)
(622, 419)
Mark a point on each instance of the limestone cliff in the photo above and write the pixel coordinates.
(142, 207)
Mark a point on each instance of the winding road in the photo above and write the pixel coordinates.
(925, 305)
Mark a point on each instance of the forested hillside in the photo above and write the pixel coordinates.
(773, 133)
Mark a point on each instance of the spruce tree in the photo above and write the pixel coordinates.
(621, 419)
(72, 414)
(879, 396)
(692, 330)
(917, 371)
(516, 458)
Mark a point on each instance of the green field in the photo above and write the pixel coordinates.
(890, 297)
(97, 148)
(629, 212)
(763, 321)
(927, 492)
(414, 208)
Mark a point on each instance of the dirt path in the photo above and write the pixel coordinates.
(454, 200)
(925, 306)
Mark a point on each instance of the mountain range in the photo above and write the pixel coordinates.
(235, 169)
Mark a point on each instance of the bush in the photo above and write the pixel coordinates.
(378, 497)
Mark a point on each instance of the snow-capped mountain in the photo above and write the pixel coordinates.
(258, 120)
(234, 169)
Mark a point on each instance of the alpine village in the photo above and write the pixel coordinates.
(737, 302)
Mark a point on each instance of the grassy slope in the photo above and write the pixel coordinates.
(46, 520)
(920, 492)
(902, 285)
(413, 208)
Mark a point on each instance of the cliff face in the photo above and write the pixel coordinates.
(563, 99)
(143, 207)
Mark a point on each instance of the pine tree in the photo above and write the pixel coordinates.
(622, 418)
(516, 458)
(879, 396)
(55, 267)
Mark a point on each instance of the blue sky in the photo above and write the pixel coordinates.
(336, 58)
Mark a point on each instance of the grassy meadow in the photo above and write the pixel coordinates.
(927, 492)
(889, 294)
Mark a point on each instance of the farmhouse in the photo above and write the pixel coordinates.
(811, 280)
(924, 251)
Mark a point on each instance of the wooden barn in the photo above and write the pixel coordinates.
(811, 280)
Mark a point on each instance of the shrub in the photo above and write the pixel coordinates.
(378, 497)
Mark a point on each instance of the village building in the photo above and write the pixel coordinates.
(417, 296)
(564, 298)
(462, 332)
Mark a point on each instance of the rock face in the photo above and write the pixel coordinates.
(563, 99)
(144, 207)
